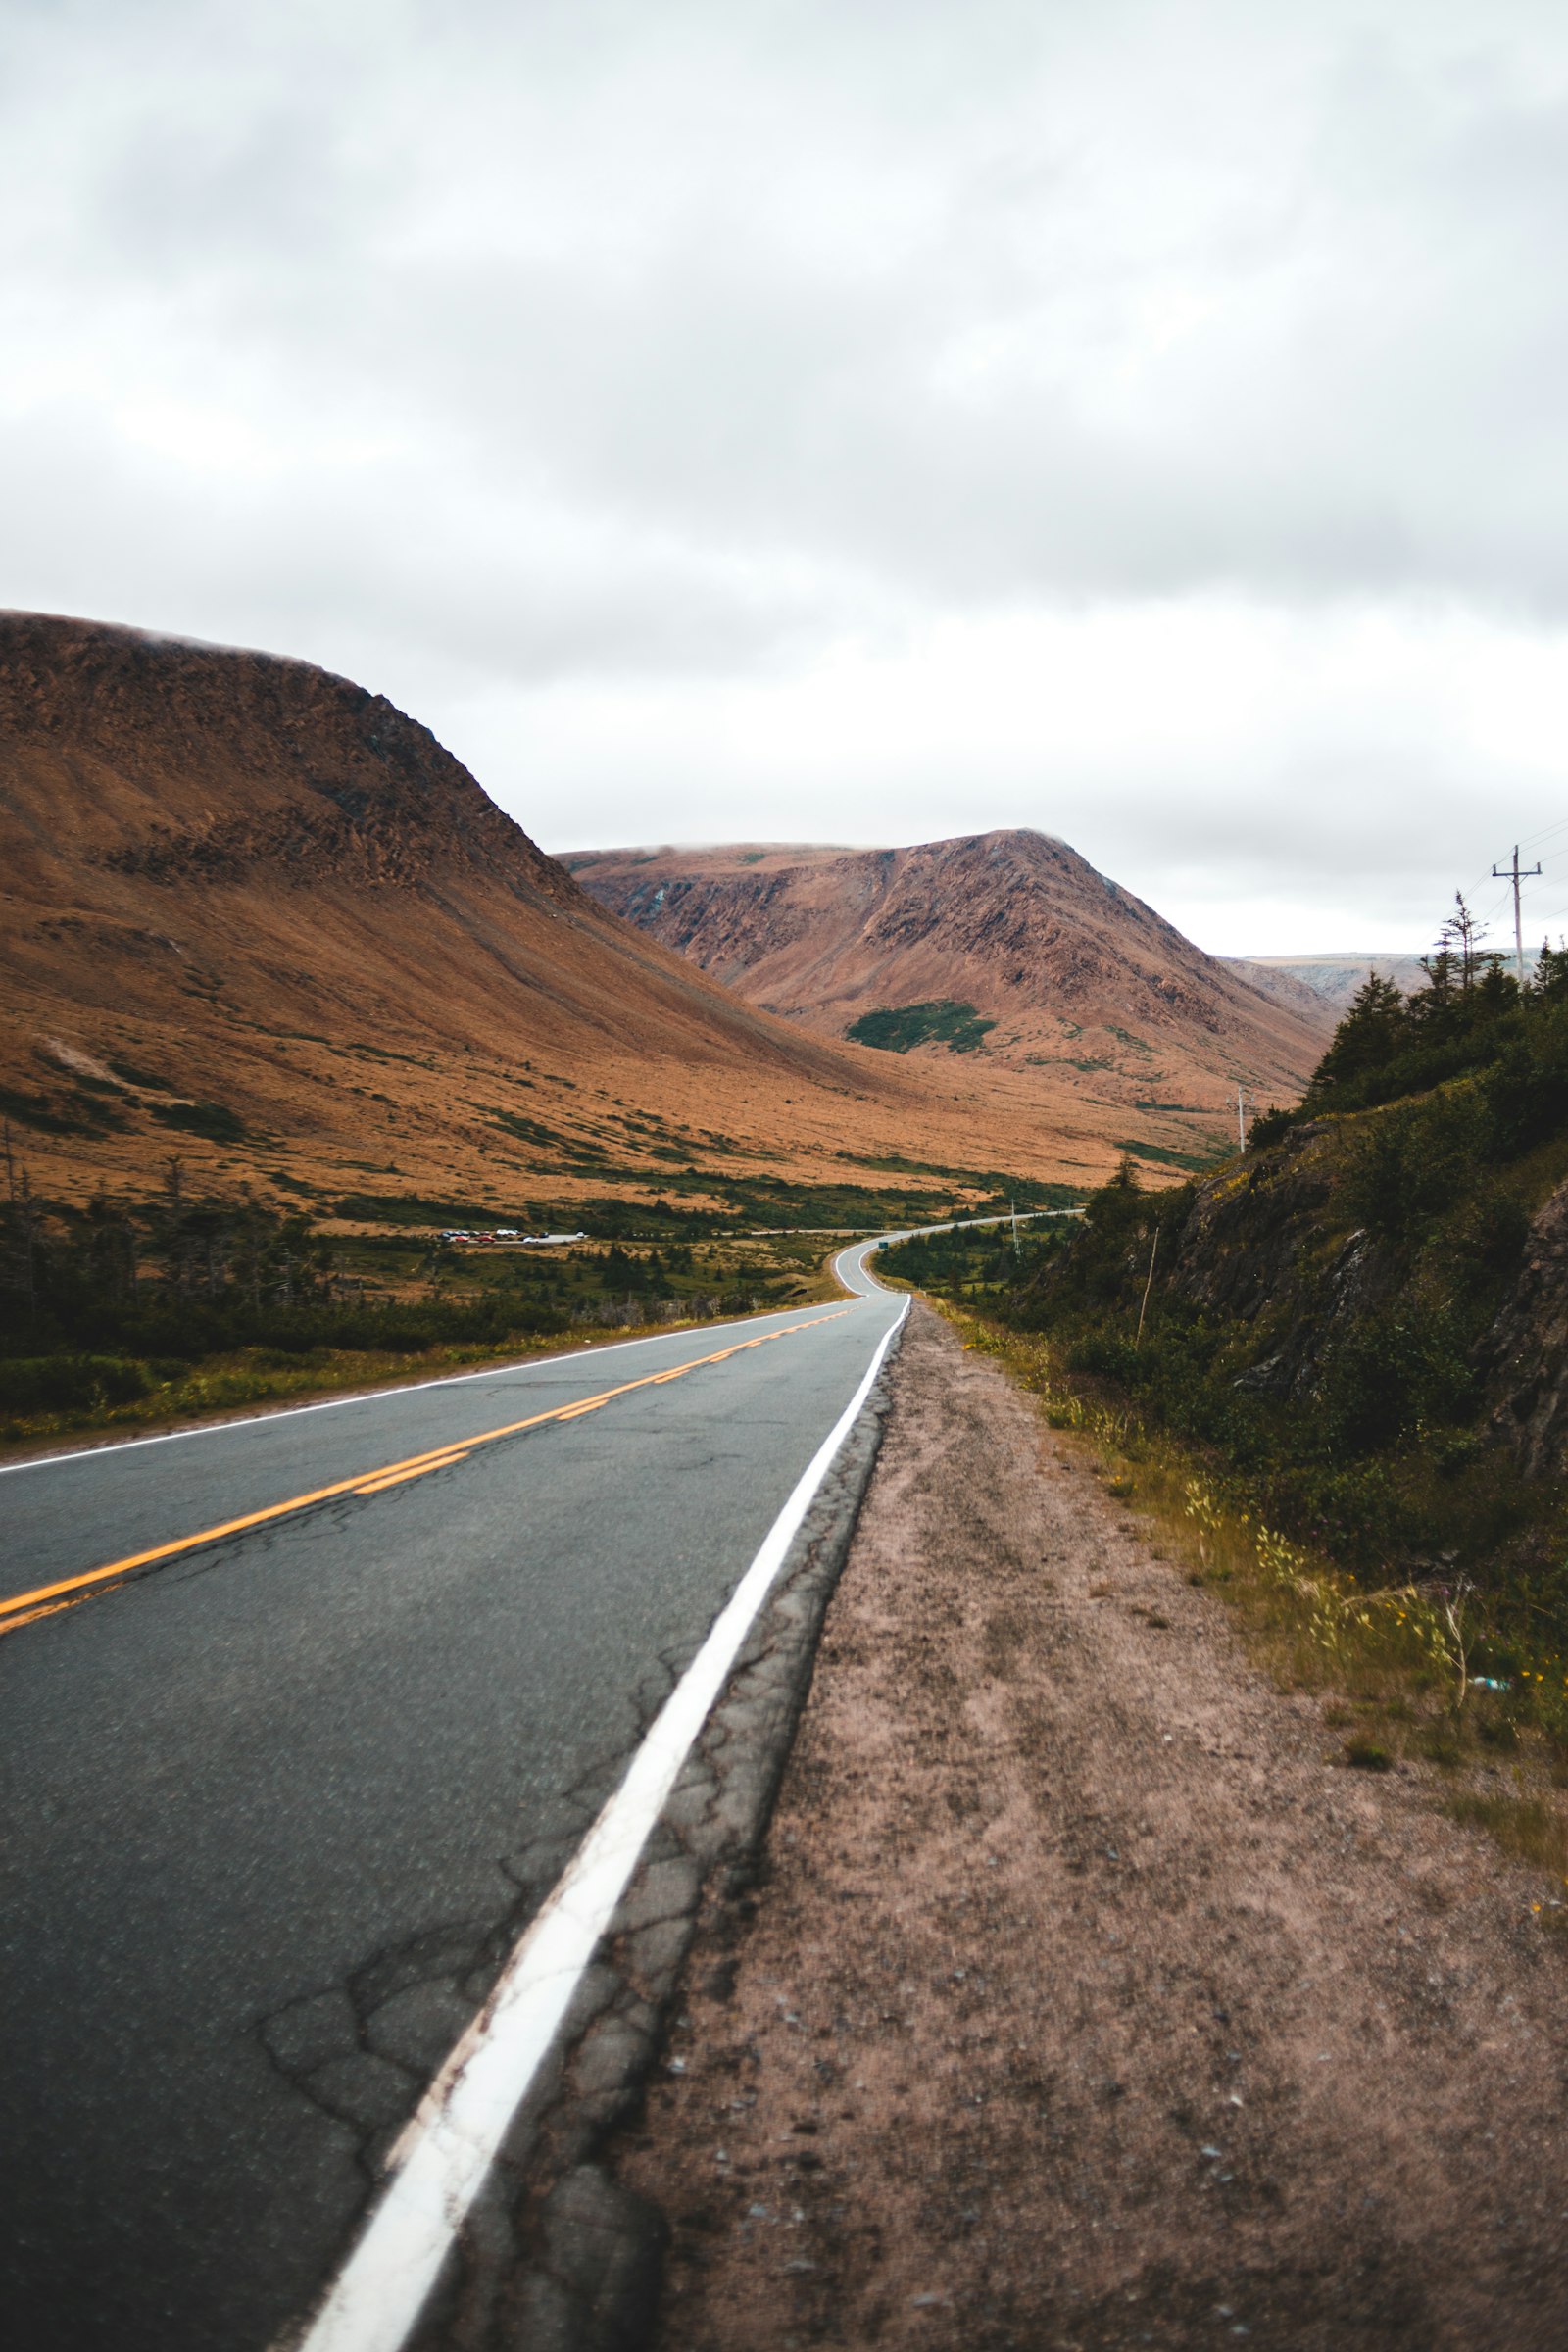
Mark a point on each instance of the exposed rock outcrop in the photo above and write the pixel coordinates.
(1526, 1351)
(1266, 1252)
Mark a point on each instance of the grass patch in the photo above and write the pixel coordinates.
(529, 1131)
(1164, 1157)
(82, 1114)
(214, 1121)
(1530, 1827)
(1401, 1667)
(743, 1202)
(135, 1076)
(62, 1383)
(944, 1021)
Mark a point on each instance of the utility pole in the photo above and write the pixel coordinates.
(1516, 874)
(1013, 1205)
(1241, 1122)
(1142, 1305)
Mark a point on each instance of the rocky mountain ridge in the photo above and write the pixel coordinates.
(1079, 980)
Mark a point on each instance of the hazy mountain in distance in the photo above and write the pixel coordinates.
(1332, 978)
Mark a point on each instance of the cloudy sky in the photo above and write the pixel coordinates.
(859, 422)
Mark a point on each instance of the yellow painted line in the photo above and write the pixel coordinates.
(395, 1478)
(31, 1616)
(373, 1482)
(454, 1452)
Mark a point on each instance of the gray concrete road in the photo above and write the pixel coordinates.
(314, 1761)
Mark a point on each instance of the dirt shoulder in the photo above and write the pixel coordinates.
(1084, 2001)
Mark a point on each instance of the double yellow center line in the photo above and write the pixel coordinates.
(45, 1598)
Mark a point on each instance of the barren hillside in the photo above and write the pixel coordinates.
(258, 917)
(1071, 980)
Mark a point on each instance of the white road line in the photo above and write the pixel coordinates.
(455, 1380)
(440, 2163)
(411, 1388)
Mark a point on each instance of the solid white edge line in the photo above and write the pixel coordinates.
(455, 1380)
(443, 2158)
(411, 1388)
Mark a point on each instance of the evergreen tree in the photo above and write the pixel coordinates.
(1549, 983)
(1369, 1037)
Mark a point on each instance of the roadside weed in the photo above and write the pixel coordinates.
(1421, 1669)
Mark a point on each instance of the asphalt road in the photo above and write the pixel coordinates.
(262, 1790)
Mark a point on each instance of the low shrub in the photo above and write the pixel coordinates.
(67, 1383)
(214, 1121)
(944, 1021)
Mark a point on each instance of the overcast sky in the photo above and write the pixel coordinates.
(861, 422)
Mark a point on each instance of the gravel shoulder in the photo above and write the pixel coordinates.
(1085, 1999)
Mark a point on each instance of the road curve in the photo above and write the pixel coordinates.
(292, 1760)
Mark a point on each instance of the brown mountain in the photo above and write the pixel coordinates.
(1080, 982)
(256, 916)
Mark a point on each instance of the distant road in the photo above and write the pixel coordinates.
(294, 1761)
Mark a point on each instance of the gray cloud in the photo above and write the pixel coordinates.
(597, 354)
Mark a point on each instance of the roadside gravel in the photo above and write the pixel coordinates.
(1085, 2000)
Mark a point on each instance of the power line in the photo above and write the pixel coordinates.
(1545, 834)
(1494, 907)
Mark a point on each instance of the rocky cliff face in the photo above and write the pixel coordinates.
(1078, 977)
(1265, 1245)
(1269, 1254)
(1525, 1353)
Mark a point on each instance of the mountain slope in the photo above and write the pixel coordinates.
(256, 916)
(1334, 979)
(1080, 981)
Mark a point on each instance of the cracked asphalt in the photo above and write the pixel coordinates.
(276, 1808)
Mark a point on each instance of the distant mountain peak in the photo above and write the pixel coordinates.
(1068, 971)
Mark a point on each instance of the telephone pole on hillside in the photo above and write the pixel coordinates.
(1516, 874)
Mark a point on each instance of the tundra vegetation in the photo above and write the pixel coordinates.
(944, 1021)
(1335, 1371)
